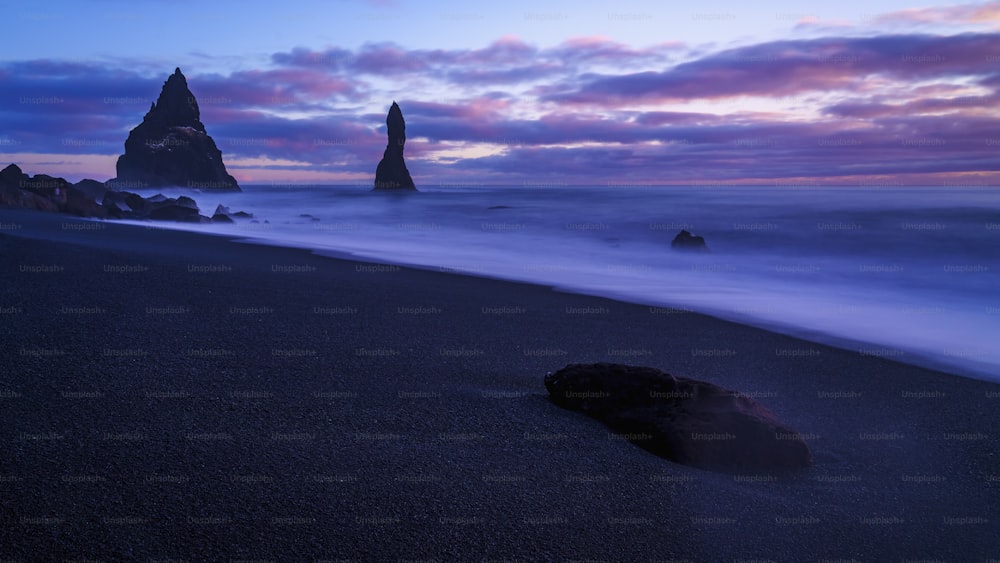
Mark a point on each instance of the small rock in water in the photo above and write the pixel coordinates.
(224, 215)
(686, 241)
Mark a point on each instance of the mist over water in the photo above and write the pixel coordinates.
(905, 273)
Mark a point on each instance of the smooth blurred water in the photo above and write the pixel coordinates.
(906, 273)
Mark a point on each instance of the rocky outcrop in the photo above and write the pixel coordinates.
(123, 205)
(12, 195)
(91, 188)
(11, 177)
(391, 173)
(171, 148)
(686, 241)
(45, 193)
(79, 202)
(126, 205)
(225, 215)
(42, 192)
(687, 421)
(182, 209)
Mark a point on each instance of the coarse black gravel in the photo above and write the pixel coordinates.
(173, 396)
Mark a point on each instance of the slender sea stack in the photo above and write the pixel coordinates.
(170, 146)
(391, 173)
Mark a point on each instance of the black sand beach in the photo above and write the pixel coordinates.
(167, 395)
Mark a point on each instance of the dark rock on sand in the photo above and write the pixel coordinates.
(687, 421)
(686, 241)
(391, 173)
(171, 148)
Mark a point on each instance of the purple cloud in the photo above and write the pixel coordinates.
(505, 61)
(784, 68)
(584, 111)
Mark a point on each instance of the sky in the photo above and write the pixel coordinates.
(546, 92)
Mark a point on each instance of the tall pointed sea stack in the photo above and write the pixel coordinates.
(170, 146)
(391, 173)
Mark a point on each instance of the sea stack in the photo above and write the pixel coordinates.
(171, 148)
(391, 173)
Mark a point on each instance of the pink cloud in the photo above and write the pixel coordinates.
(507, 50)
(604, 50)
(987, 13)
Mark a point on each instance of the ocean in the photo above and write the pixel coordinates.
(911, 274)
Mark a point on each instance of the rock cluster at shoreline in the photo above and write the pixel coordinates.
(90, 198)
(125, 205)
(46, 193)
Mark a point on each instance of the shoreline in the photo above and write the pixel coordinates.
(169, 385)
(963, 366)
